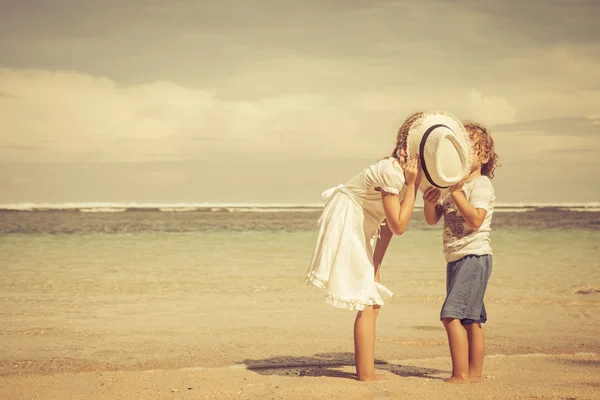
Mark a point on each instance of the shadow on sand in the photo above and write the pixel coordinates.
(326, 364)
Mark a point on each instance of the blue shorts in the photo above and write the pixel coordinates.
(466, 281)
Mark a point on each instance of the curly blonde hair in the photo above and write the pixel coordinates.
(483, 146)
(402, 136)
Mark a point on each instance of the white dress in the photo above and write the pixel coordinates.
(342, 260)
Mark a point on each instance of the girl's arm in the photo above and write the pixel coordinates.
(383, 240)
(397, 214)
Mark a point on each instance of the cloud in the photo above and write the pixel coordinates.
(538, 144)
(65, 116)
(22, 147)
(571, 126)
(83, 117)
(70, 117)
(489, 109)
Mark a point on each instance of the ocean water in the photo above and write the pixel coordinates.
(142, 288)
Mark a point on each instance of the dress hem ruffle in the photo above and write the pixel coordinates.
(350, 304)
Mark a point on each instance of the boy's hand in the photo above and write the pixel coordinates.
(431, 195)
(412, 170)
(458, 187)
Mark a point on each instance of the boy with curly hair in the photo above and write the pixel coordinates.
(467, 211)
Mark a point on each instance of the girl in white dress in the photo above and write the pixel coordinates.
(355, 228)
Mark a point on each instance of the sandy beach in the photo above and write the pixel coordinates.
(535, 376)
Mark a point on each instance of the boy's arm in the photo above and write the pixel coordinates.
(383, 240)
(433, 211)
(473, 216)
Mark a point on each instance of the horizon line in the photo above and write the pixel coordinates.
(204, 205)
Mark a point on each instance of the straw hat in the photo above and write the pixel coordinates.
(444, 147)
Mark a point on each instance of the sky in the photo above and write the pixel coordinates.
(273, 101)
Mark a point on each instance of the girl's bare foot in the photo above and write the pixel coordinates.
(367, 378)
(457, 379)
(373, 378)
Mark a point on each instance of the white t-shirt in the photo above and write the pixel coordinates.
(460, 240)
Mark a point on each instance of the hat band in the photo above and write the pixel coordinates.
(422, 149)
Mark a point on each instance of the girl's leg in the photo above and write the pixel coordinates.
(364, 343)
(476, 349)
(459, 350)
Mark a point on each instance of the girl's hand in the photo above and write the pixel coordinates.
(431, 195)
(412, 170)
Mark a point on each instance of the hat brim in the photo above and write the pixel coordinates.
(417, 138)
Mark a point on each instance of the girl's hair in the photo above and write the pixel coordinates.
(402, 136)
(483, 146)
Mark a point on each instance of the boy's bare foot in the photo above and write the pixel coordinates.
(476, 379)
(457, 379)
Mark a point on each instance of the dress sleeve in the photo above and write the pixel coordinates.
(482, 194)
(388, 177)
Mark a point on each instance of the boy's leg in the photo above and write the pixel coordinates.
(364, 343)
(474, 326)
(459, 350)
(476, 349)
